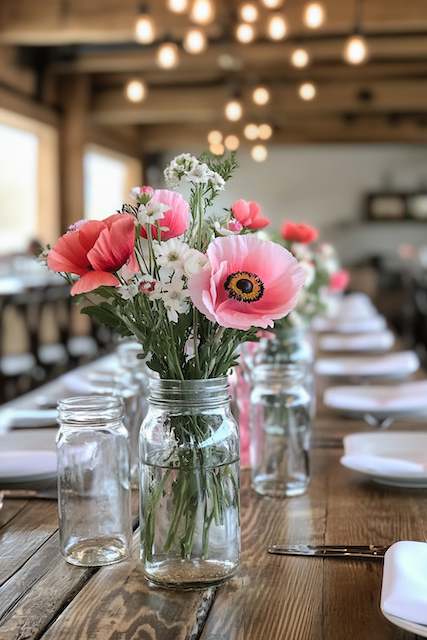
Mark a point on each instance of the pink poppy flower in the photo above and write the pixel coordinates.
(247, 282)
(299, 232)
(248, 213)
(339, 280)
(175, 220)
(95, 251)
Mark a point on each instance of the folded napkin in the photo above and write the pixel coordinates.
(12, 418)
(350, 325)
(384, 466)
(20, 465)
(397, 364)
(404, 587)
(378, 341)
(407, 397)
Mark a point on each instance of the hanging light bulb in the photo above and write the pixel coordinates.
(245, 33)
(261, 96)
(300, 58)
(145, 31)
(259, 153)
(307, 91)
(217, 149)
(251, 131)
(167, 55)
(195, 41)
(277, 27)
(232, 142)
(202, 11)
(265, 131)
(249, 12)
(314, 15)
(272, 4)
(178, 6)
(135, 90)
(233, 110)
(214, 137)
(356, 50)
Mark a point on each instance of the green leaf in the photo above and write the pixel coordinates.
(104, 315)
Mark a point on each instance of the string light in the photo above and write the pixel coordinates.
(202, 12)
(217, 149)
(233, 110)
(245, 33)
(259, 153)
(232, 142)
(300, 58)
(307, 91)
(272, 4)
(314, 15)
(265, 131)
(178, 6)
(277, 27)
(167, 55)
(251, 131)
(144, 29)
(136, 90)
(356, 50)
(261, 96)
(214, 137)
(195, 41)
(249, 12)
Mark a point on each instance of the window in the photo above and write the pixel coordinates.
(108, 178)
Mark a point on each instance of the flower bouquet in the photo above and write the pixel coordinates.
(191, 285)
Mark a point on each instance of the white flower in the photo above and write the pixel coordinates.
(217, 181)
(125, 273)
(189, 347)
(200, 174)
(128, 291)
(309, 271)
(179, 167)
(150, 212)
(171, 254)
(174, 298)
(194, 262)
(302, 252)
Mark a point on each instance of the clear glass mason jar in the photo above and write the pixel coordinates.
(94, 508)
(280, 431)
(189, 492)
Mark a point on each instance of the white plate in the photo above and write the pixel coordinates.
(390, 401)
(364, 342)
(418, 629)
(397, 458)
(392, 366)
(11, 418)
(27, 466)
(375, 323)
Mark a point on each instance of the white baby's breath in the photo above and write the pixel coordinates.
(128, 291)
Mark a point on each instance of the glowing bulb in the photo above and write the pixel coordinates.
(214, 137)
(300, 58)
(356, 50)
(277, 27)
(272, 4)
(167, 55)
(307, 91)
(249, 12)
(232, 142)
(314, 15)
(233, 110)
(245, 33)
(251, 131)
(265, 131)
(178, 6)
(259, 153)
(202, 12)
(195, 41)
(144, 29)
(135, 90)
(217, 149)
(261, 96)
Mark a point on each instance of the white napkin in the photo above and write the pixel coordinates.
(404, 587)
(26, 418)
(19, 465)
(384, 466)
(397, 364)
(407, 397)
(364, 325)
(378, 341)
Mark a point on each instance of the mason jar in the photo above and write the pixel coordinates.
(93, 481)
(280, 431)
(189, 491)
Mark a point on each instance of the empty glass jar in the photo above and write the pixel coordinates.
(189, 465)
(93, 481)
(280, 431)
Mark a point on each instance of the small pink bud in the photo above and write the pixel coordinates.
(234, 225)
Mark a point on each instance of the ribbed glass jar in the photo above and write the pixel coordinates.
(93, 481)
(280, 426)
(189, 474)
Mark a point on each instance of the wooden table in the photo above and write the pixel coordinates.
(271, 598)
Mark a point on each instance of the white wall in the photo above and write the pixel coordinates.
(325, 185)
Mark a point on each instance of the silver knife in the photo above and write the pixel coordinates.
(329, 550)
